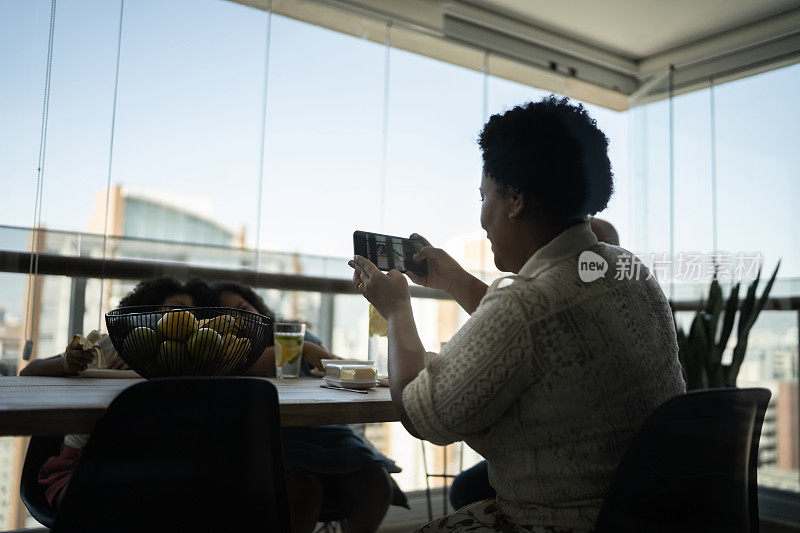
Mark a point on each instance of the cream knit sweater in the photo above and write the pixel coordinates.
(550, 378)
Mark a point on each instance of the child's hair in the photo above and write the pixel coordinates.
(245, 292)
(202, 295)
(152, 292)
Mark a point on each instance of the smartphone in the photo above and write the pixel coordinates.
(389, 252)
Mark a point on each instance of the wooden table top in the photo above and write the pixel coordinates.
(33, 405)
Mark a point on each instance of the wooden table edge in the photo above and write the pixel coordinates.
(67, 420)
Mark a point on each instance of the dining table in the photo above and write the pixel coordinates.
(36, 405)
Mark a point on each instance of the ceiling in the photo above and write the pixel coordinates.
(614, 53)
(636, 29)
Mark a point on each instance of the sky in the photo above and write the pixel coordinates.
(189, 119)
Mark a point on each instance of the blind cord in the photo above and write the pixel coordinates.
(33, 268)
(256, 258)
(385, 123)
(110, 161)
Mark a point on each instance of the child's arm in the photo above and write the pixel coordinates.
(265, 365)
(67, 364)
(314, 354)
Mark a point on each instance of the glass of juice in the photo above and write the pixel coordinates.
(288, 349)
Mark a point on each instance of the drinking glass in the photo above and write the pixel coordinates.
(288, 349)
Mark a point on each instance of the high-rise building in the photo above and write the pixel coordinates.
(161, 215)
(788, 434)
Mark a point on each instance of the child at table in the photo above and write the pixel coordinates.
(326, 467)
(56, 472)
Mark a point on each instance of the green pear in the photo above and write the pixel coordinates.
(141, 341)
(205, 344)
(172, 356)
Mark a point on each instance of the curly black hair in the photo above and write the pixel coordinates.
(552, 150)
(152, 292)
(202, 295)
(245, 292)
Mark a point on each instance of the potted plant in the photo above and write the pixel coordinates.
(700, 350)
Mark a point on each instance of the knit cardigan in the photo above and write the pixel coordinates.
(551, 377)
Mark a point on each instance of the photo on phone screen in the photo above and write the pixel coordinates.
(389, 252)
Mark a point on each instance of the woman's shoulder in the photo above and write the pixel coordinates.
(527, 298)
(596, 272)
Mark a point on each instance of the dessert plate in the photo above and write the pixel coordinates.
(351, 383)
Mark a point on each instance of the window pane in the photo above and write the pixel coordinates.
(81, 105)
(434, 165)
(758, 187)
(651, 175)
(757, 167)
(614, 124)
(189, 113)
(23, 54)
(504, 94)
(323, 151)
(693, 193)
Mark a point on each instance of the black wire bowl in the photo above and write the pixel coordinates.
(158, 341)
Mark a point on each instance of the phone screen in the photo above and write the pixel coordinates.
(389, 252)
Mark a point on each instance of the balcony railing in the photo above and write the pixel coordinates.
(80, 256)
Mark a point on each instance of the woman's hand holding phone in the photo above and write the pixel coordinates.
(388, 293)
(445, 274)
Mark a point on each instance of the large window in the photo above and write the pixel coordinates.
(322, 167)
(733, 168)
(210, 133)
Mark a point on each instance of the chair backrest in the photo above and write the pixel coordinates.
(691, 467)
(40, 449)
(182, 454)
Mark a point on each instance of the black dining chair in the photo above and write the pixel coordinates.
(182, 454)
(691, 467)
(31, 492)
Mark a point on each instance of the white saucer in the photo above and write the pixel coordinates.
(351, 383)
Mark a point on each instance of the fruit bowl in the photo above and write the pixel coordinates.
(158, 341)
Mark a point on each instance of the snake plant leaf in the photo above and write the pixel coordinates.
(713, 364)
(682, 346)
(696, 369)
(742, 331)
(714, 296)
(715, 304)
(747, 304)
(732, 372)
(728, 319)
(746, 322)
(765, 295)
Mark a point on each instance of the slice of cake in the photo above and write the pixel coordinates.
(350, 371)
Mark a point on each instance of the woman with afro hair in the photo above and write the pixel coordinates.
(560, 362)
